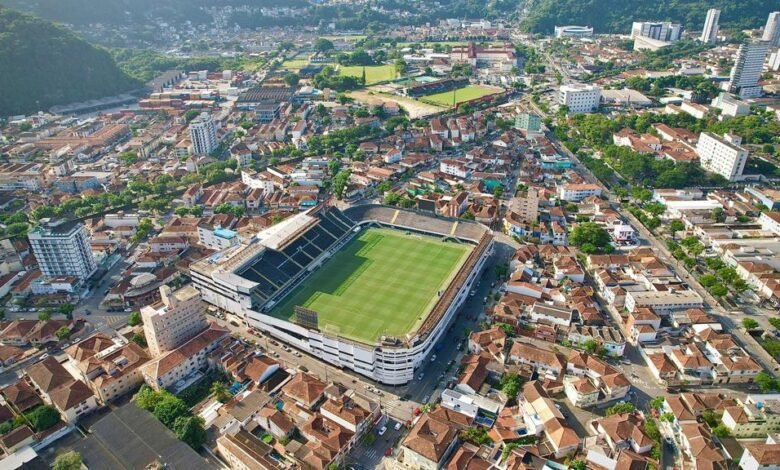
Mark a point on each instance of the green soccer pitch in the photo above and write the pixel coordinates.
(383, 282)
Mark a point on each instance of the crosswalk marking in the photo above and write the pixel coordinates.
(112, 320)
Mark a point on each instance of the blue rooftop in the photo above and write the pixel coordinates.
(225, 233)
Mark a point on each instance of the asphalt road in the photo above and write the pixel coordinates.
(731, 322)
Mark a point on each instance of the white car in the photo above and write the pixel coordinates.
(397, 426)
(382, 430)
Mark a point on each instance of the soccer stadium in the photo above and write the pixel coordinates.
(371, 288)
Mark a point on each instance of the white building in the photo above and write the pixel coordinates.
(764, 456)
(723, 156)
(747, 69)
(658, 30)
(772, 29)
(663, 302)
(572, 31)
(62, 249)
(455, 168)
(709, 34)
(176, 319)
(770, 221)
(203, 134)
(577, 192)
(730, 105)
(216, 238)
(579, 98)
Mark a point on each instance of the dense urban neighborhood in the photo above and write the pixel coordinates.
(418, 237)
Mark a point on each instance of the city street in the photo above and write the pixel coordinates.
(729, 321)
(365, 455)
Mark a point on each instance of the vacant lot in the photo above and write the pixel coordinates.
(374, 73)
(384, 282)
(462, 95)
(415, 109)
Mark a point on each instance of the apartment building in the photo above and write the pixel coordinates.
(757, 416)
(62, 249)
(174, 320)
(579, 98)
(747, 69)
(203, 134)
(709, 34)
(722, 155)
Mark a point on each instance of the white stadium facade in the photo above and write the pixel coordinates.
(249, 279)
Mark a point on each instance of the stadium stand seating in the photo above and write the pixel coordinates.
(272, 270)
(442, 226)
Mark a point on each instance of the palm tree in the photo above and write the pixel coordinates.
(220, 392)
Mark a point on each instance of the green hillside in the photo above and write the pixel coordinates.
(615, 16)
(44, 65)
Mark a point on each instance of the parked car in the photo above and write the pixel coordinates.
(397, 426)
(382, 430)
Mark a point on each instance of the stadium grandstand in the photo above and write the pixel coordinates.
(318, 281)
(418, 89)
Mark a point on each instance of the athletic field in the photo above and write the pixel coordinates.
(383, 282)
(464, 94)
(374, 73)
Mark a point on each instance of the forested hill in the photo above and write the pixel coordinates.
(43, 65)
(615, 16)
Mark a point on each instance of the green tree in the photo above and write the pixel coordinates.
(400, 67)
(578, 465)
(291, 79)
(190, 430)
(766, 382)
(146, 398)
(44, 315)
(775, 322)
(323, 45)
(476, 435)
(134, 319)
(718, 215)
(139, 339)
(510, 384)
(740, 285)
(468, 215)
(719, 290)
(391, 199)
(169, 409)
(749, 324)
(620, 408)
(721, 431)
(67, 310)
(63, 333)
(711, 418)
(340, 182)
(656, 403)
(43, 417)
(589, 232)
(220, 392)
(708, 280)
(68, 461)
